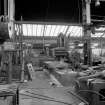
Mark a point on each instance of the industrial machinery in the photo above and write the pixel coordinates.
(92, 90)
(60, 52)
(9, 94)
(10, 64)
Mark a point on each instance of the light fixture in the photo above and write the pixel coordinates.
(97, 3)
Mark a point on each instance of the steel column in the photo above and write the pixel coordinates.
(87, 32)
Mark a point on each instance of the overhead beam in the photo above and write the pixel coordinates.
(55, 38)
(46, 23)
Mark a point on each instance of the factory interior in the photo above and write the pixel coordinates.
(52, 62)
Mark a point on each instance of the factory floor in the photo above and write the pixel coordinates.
(39, 91)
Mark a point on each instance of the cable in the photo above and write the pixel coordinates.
(79, 10)
(47, 9)
(83, 5)
(44, 29)
(49, 99)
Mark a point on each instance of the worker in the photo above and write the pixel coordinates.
(75, 59)
(27, 73)
(31, 71)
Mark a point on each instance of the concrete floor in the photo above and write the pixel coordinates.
(40, 92)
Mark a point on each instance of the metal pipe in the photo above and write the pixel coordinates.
(11, 9)
(0, 7)
(5, 8)
(67, 30)
(88, 19)
(44, 35)
(36, 29)
(87, 31)
(21, 51)
(10, 67)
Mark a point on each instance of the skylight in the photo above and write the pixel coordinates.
(54, 30)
